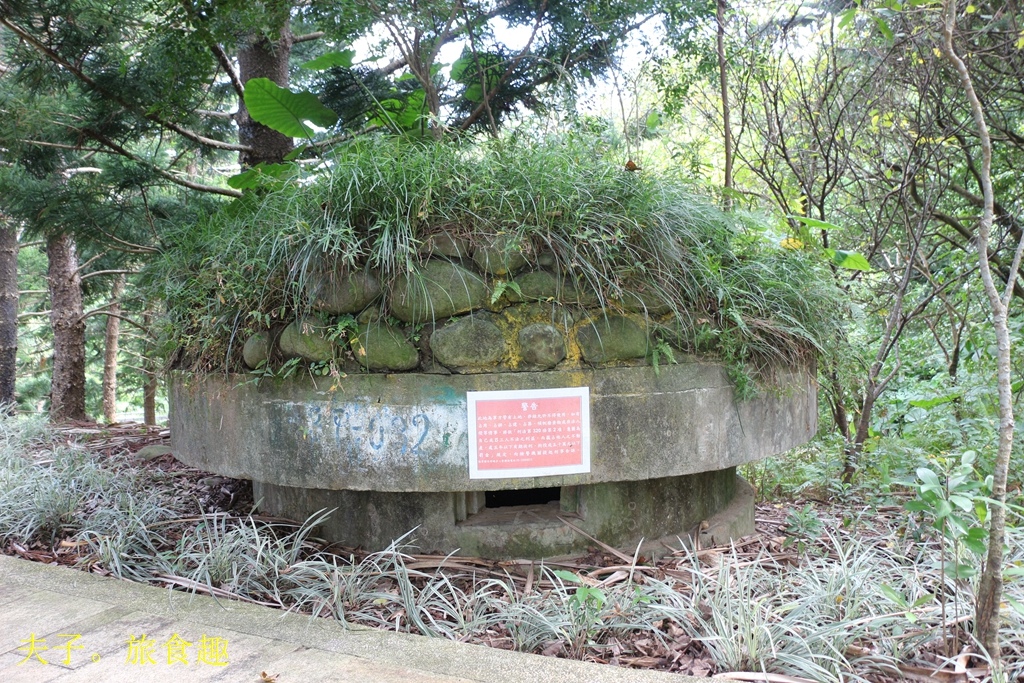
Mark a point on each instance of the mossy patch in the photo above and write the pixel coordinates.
(612, 338)
(305, 339)
(437, 290)
(379, 346)
(471, 342)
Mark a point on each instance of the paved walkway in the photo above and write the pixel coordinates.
(92, 628)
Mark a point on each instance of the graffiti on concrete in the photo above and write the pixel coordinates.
(373, 433)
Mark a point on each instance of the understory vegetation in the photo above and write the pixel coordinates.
(859, 590)
(377, 202)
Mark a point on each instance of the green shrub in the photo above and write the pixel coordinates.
(378, 200)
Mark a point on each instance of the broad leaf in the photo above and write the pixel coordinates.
(814, 222)
(331, 60)
(928, 403)
(285, 111)
(565, 575)
(849, 260)
(256, 175)
(927, 476)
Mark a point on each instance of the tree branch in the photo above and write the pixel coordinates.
(89, 81)
(226, 191)
(306, 37)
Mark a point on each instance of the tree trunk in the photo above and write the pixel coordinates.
(261, 58)
(149, 396)
(990, 587)
(67, 385)
(8, 312)
(110, 349)
(150, 379)
(724, 85)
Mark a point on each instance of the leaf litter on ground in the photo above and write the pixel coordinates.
(758, 610)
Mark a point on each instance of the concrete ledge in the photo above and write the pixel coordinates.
(408, 432)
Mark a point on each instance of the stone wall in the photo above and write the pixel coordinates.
(464, 311)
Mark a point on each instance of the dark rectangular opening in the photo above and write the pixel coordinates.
(511, 498)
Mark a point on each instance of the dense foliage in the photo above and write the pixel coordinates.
(608, 230)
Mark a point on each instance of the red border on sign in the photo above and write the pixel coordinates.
(529, 433)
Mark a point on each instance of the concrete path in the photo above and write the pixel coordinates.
(104, 630)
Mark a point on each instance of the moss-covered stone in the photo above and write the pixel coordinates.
(649, 303)
(580, 295)
(467, 343)
(256, 351)
(348, 294)
(499, 255)
(611, 338)
(379, 346)
(541, 345)
(304, 339)
(547, 312)
(539, 285)
(446, 244)
(437, 290)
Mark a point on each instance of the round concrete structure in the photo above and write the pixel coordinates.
(390, 452)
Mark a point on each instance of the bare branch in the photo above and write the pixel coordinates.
(226, 191)
(97, 273)
(100, 311)
(306, 37)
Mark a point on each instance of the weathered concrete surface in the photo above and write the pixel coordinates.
(105, 612)
(408, 432)
(618, 513)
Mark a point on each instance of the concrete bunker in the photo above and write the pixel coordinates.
(389, 452)
(334, 368)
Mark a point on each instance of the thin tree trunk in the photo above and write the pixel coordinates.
(67, 384)
(8, 312)
(110, 349)
(149, 396)
(149, 387)
(990, 588)
(724, 85)
(261, 58)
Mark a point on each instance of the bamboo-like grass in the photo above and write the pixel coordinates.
(825, 614)
(609, 231)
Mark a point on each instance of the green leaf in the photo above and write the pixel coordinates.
(893, 595)
(958, 570)
(331, 60)
(928, 403)
(653, 122)
(404, 116)
(976, 541)
(923, 600)
(980, 510)
(927, 476)
(849, 260)
(285, 111)
(965, 504)
(255, 176)
(295, 153)
(883, 27)
(565, 575)
(814, 222)
(847, 17)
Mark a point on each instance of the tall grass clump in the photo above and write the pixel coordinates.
(567, 202)
(52, 491)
